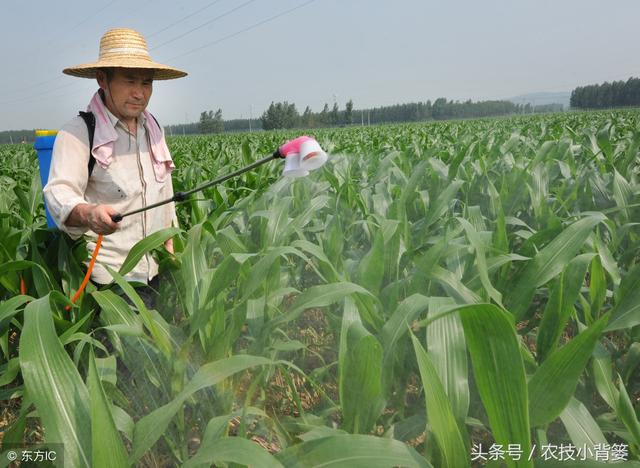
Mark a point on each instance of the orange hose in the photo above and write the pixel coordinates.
(23, 288)
(88, 275)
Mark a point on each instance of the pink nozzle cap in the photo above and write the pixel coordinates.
(293, 146)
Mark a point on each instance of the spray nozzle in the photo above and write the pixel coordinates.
(302, 155)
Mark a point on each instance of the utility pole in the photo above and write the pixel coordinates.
(368, 117)
(250, 116)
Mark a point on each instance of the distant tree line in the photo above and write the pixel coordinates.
(606, 95)
(285, 115)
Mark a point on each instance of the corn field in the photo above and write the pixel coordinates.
(444, 294)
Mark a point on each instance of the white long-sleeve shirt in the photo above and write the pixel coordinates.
(128, 183)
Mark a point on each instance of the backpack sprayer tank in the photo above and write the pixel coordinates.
(44, 146)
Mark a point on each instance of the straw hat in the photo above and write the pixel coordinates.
(124, 48)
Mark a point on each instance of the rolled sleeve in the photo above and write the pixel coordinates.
(68, 176)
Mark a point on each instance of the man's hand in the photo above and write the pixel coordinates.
(168, 244)
(95, 217)
(99, 219)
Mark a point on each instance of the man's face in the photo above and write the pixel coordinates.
(128, 92)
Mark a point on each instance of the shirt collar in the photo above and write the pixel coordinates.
(142, 120)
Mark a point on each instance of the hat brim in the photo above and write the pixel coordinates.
(161, 72)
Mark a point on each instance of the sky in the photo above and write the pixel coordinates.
(243, 54)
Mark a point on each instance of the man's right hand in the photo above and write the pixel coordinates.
(95, 217)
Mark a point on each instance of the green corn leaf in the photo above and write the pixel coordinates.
(481, 261)
(54, 385)
(10, 371)
(371, 267)
(350, 316)
(116, 311)
(394, 330)
(193, 270)
(108, 449)
(260, 270)
(626, 413)
(151, 427)
(319, 296)
(18, 265)
(499, 374)
(441, 419)
(549, 262)
(564, 294)
(441, 204)
(14, 434)
(401, 319)
(622, 193)
(9, 309)
(160, 337)
(553, 384)
(454, 287)
(144, 246)
(317, 252)
(606, 258)
(631, 361)
(448, 352)
(218, 426)
(232, 450)
(602, 375)
(361, 384)
(353, 451)
(124, 423)
(626, 313)
(41, 281)
(581, 427)
(597, 286)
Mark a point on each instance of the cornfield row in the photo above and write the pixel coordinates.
(449, 294)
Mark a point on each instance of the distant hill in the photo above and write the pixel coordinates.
(540, 99)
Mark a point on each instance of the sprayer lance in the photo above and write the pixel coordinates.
(181, 196)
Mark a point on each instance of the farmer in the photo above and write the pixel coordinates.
(132, 167)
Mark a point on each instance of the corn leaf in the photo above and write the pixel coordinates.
(108, 449)
(151, 427)
(549, 262)
(553, 384)
(499, 374)
(233, 450)
(564, 294)
(361, 383)
(144, 246)
(54, 385)
(626, 413)
(448, 352)
(440, 417)
(354, 451)
(626, 313)
(581, 427)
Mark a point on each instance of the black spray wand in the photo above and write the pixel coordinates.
(301, 155)
(181, 196)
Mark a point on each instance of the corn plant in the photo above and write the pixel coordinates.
(435, 289)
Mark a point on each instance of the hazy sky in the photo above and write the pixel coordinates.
(243, 54)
